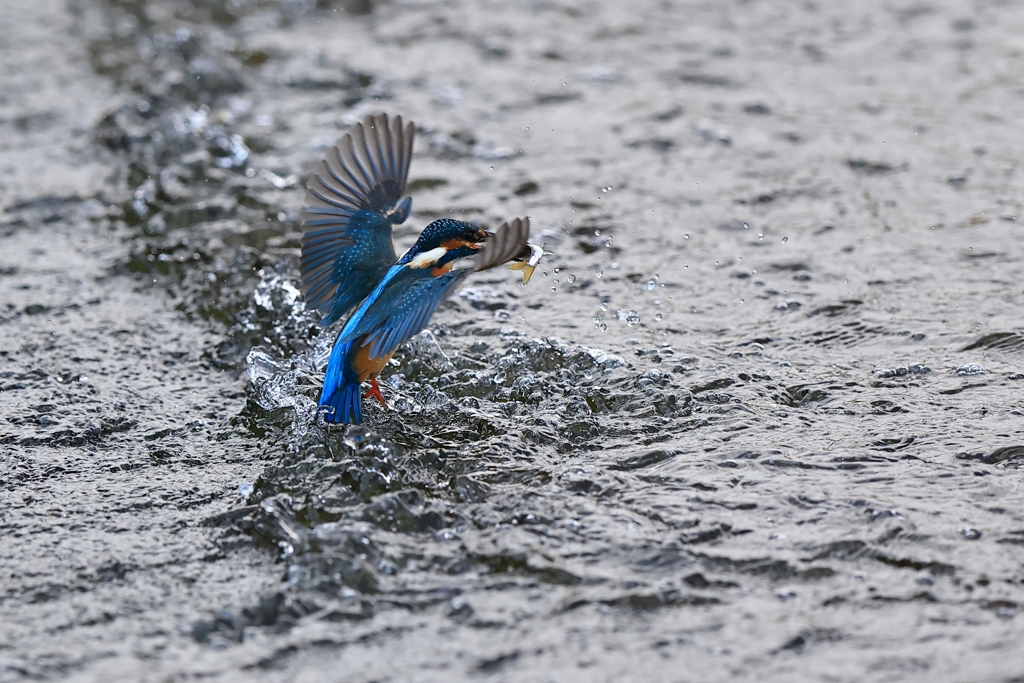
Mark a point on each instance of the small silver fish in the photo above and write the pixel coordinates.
(527, 260)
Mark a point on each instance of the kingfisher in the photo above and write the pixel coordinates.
(353, 201)
(403, 302)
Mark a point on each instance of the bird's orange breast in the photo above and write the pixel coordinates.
(366, 367)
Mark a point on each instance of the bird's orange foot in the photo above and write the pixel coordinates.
(375, 392)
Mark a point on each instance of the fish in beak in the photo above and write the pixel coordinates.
(527, 260)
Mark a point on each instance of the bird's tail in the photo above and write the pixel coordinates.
(342, 391)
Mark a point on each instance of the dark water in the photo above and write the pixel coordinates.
(757, 419)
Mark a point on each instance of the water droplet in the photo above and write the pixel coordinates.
(570, 279)
(554, 289)
(753, 273)
(651, 284)
(760, 235)
(746, 227)
(602, 327)
(606, 188)
(632, 318)
(604, 305)
(599, 273)
(686, 235)
(555, 281)
(785, 239)
(657, 317)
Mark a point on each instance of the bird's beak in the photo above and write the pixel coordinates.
(482, 237)
(527, 261)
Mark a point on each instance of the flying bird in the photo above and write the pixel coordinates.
(404, 301)
(353, 200)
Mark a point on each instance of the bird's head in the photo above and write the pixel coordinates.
(444, 241)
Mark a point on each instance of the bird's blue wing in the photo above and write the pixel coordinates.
(374, 307)
(399, 308)
(352, 201)
(410, 314)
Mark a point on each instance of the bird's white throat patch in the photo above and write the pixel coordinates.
(427, 258)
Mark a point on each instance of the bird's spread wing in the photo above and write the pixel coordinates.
(410, 313)
(400, 307)
(507, 242)
(365, 171)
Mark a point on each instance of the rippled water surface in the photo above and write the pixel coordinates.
(756, 417)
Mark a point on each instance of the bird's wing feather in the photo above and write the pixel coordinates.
(365, 171)
(504, 245)
(400, 307)
(410, 314)
(374, 307)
